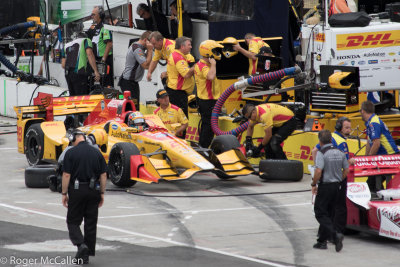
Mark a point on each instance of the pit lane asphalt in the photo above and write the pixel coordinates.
(183, 223)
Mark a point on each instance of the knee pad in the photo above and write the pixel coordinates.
(275, 143)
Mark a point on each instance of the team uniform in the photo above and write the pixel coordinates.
(178, 88)
(208, 93)
(77, 70)
(100, 37)
(255, 45)
(338, 6)
(133, 71)
(167, 48)
(340, 212)
(332, 162)
(283, 123)
(172, 114)
(83, 162)
(377, 129)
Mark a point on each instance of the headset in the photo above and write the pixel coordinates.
(339, 123)
(74, 133)
(102, 14)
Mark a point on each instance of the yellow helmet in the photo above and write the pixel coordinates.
(192, 104)
(228, 43)
(210, 48)
(341, 80)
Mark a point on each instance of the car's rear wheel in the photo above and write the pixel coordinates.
(34, 144)
(119, 164)
(281, 170)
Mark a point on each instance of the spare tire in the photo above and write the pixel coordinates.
(281, 170)
(36, 176)
(223, 143)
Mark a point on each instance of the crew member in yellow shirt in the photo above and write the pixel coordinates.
(278, 122)
(171, 114)
(254, 43)
(163, 48)
(208, 87)
(180, 80)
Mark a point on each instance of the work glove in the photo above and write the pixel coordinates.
(248, 143)
(257, 150)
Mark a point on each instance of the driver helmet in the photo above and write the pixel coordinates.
(210, 49)
(228, 43)
(136, 120)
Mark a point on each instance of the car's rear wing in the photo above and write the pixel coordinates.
(45, 105)
(377, 165)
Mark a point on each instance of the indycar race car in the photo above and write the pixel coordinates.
(145, 154)
(379, 214)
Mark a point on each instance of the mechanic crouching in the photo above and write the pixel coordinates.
(279, 123)
(83, 186)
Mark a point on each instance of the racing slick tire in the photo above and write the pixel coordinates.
(34, 144)
(223, 143)
(119, 164)
(36, 176)
(281, 170)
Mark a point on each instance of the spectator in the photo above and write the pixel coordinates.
(161, 21)
(186, 21)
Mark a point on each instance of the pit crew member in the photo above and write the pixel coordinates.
(208, 87)
(180, 80)
(102, 43)
(136, 62)
(255, 44)
(171, 114)
(379, 139)
(279, 122)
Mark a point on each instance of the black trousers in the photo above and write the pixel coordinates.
(178, 98)
(273, 149)
(133, 87)
(324, 208)
(340, 210)
(206, 133)
(83, 205)
(78, 84)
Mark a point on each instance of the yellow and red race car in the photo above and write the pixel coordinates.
(145, 155)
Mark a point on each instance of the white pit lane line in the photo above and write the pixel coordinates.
(152, 237)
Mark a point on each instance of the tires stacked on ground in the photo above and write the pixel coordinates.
(36, 176)
(281, 170)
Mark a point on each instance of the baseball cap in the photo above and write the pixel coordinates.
(161, 93)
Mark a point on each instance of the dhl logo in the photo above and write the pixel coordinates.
(367, 40)
(192, 134)
(320, 37)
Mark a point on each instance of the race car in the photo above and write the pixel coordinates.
(145, 154)
(379, 214)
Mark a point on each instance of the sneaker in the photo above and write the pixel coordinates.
(320, 245)
(339, 242)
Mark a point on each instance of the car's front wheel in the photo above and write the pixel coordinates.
(119, 164)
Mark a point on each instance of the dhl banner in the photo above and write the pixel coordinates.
(367, 40)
